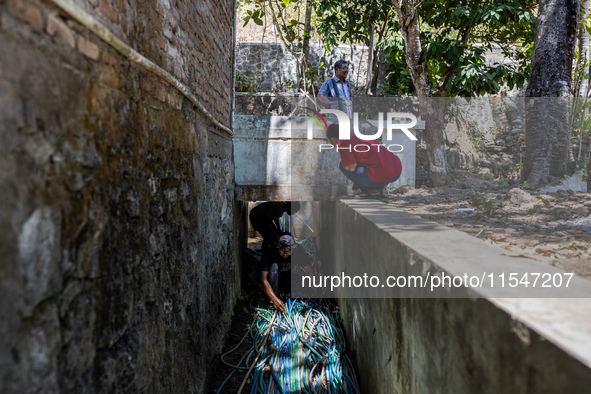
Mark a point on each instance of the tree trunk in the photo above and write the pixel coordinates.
(431, 109)
(375, 69)
(307, 33)
(369, 62)
(584, 46)
(548, 91)
(588, 176)
(415, 58)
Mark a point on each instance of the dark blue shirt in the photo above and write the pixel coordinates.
(341, 91)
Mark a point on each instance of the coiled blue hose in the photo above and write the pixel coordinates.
(303, 353)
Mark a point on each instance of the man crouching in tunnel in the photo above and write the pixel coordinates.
(276, 268)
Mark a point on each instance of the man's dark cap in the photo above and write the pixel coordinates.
(285, 241)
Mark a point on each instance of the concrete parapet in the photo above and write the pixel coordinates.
(480, 342)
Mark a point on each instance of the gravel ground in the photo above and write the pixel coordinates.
(553, 228)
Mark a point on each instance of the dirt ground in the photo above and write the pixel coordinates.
(553, 228)
(244, 316)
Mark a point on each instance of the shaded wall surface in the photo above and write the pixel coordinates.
(119, 227)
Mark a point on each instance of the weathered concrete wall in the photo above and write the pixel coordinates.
(454, 346)
(451, 345)
(276, 161)
(279, 66)
(119, 228)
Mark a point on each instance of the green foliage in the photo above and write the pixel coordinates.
(578, 165)
(537, 207)
(246, 81)
(488, 206)
(311, 77)
(290, 84)
(500, 181)
(255, 15)
(471, 168)
(581, 123)
(254, 11)
(527, 186)
(455, 36)
(580, 113)
(351, 21)
(476, 200)
(544, 201)
(399, 79)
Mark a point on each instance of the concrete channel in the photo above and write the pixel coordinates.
(489, 337)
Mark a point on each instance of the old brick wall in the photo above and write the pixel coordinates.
(120, 233)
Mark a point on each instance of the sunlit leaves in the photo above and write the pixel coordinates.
(455, 36)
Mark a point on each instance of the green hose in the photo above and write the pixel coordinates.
(302, 349)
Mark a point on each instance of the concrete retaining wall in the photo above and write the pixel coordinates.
(460, 345)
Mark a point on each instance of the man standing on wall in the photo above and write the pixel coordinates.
(339, 88)
(369, 164)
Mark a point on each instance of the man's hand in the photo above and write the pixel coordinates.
(278, 304)
(351, 167)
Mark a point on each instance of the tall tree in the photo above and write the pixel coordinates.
(580, 81)
(410, 28)
(547, 96)
(456, 35)
(307, 33)
(584, 44)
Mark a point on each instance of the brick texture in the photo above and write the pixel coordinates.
(26, 12)
(56, 25)
(88, 48)
(188, 39)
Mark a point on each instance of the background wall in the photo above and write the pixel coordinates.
(120, 233)
(278, 65)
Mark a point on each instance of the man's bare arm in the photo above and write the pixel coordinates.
(269, 292)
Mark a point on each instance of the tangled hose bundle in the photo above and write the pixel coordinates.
(299, 351)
